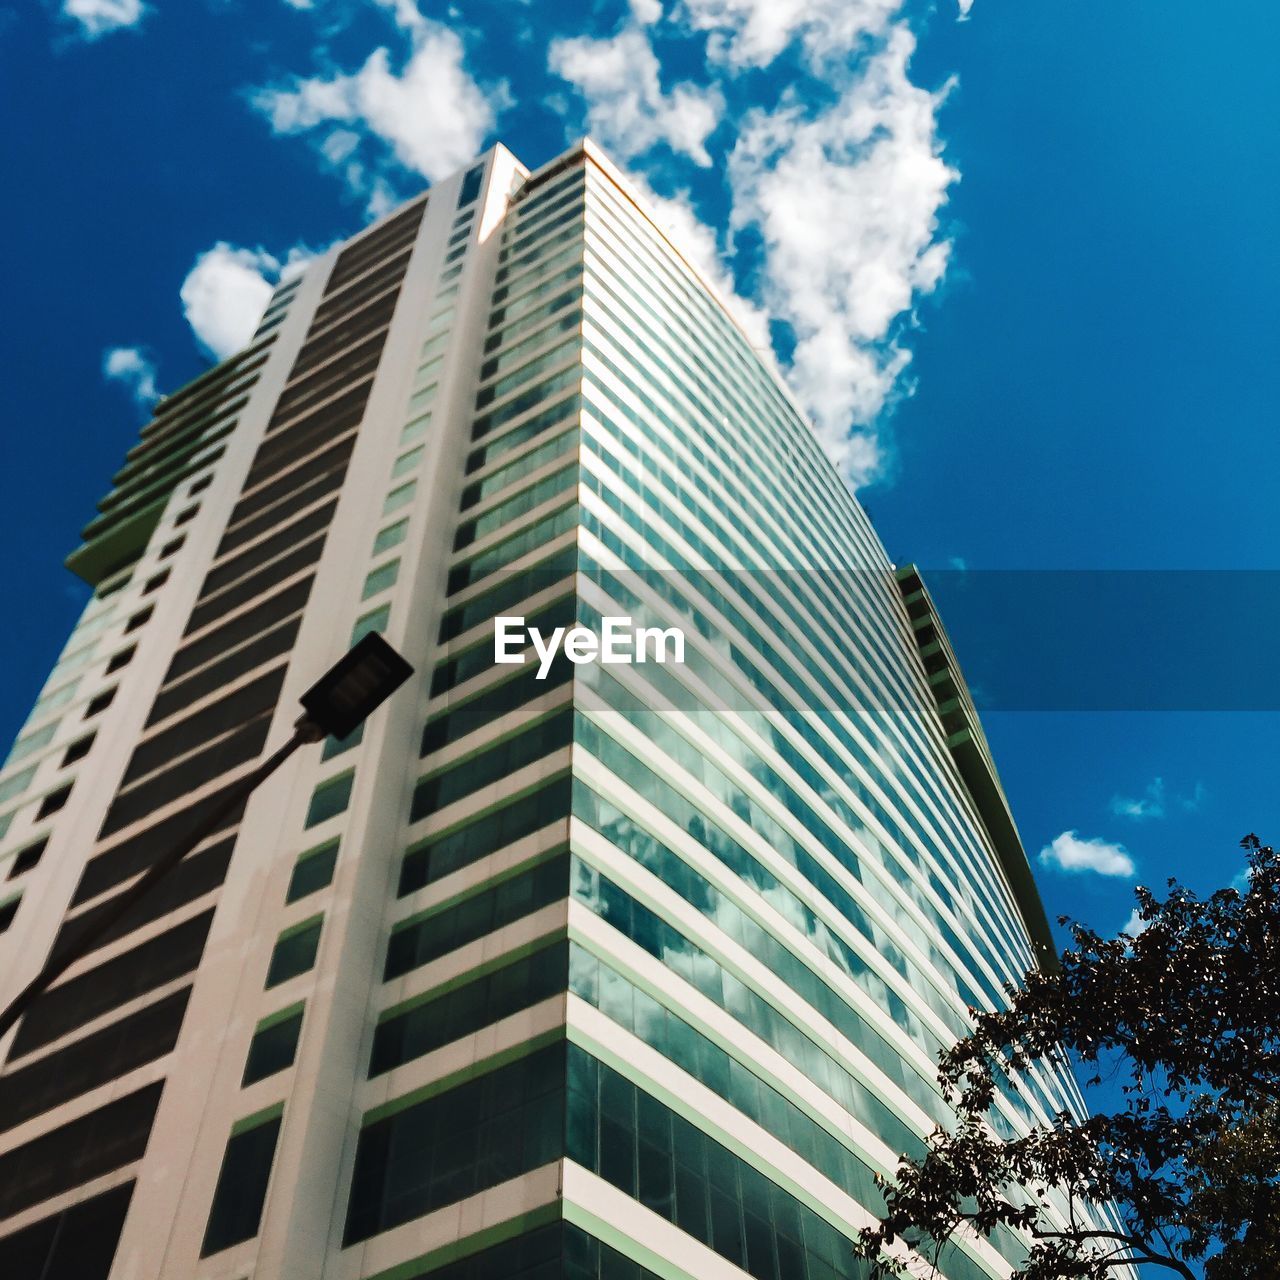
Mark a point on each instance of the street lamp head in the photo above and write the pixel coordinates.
(359, 682)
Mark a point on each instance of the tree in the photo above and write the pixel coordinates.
(1185, 1016)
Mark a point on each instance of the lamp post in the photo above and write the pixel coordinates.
(358, 683)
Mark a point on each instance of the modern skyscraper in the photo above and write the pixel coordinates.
(632, 970)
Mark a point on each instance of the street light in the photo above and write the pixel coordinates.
(342, 699)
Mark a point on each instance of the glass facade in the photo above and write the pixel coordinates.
(776, 879)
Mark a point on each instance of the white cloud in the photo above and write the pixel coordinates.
(964, 6)
(430, 114)
(1134, 925)
(99, 17)
(1151, 804)
(1156, 801)
(846, 202)
(627, 108)
(697, 242)
(752, 33)
(646, 12)
(134, 370)
(227, 290)
(1068, 852)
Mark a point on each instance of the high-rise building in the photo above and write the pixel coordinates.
(575, 969)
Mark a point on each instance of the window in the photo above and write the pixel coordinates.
(139, 619)
(312, 871)
(336, 746)
(53, 802)
(440, 855)
(156, 583)
(424, 938)
(450, 1146)
(184, 516)
(121, 659)
(294, 952)
(470, 186)
(27, 858)
(495, 763)
(406, 462)
(16, 783)
(415, 430)
(200, 485)
(77, 750)
(100, 703)
(375, 621)
(170, 547)
(391, 536)
(274, 1045)
(383, 577)
(465, 1009)
(398, 497)
(329, 799)
(32, 742)
(8, 910)
(242, 1186)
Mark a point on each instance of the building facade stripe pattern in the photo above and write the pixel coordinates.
(600, 971)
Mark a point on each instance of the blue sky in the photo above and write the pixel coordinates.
(1018, 257)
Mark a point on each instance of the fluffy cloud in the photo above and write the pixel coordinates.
(676, 216)
(134, 370)
(99, 17)
(846, 203)
(1068, 852)
(752, 33)
(227, 290)
(429, 113)
(626, 106)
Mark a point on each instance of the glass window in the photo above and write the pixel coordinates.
(380, 579)
(294, 953)
(496, 762)
(329, 799)
(375, 621)
(32, 742)
(476, 839)
(100, 703)
(470, 188)
(397, 498)
(272, 1048)
(418, 942)
(312, 871)
(16, 783)
(415, 429)
(242, 1187)
(8, 910)
(336, 746)
(54, 801)
(406, 462)
(27, 858)
(121, 659)
(77, 750)
(391, 536)
(457, 1143)
(465, 1009)
(52, 701)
